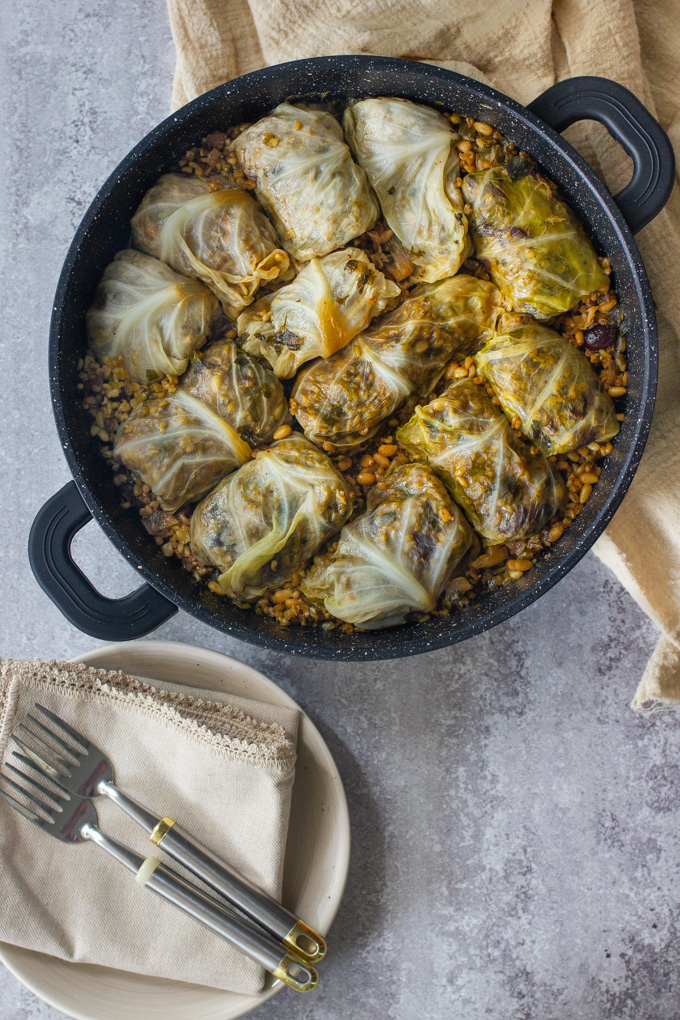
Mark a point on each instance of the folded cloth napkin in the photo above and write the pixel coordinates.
(521, 49)
(222, 766)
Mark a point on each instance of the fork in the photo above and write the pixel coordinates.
(73, 819)
(89, 773)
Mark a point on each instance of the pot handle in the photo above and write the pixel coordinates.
(632, 125)
(49, 553)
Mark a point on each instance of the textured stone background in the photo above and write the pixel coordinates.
(515, 825)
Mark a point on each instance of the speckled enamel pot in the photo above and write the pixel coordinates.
(105, 229)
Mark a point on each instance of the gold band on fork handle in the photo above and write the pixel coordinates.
(161, 829)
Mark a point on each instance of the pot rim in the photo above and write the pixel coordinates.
(406, 640)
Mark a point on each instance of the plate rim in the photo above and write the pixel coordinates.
(343, 837)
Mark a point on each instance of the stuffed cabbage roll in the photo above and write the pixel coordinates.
(306, 179)
(549, 384)
(343, 400)
(331, 300)
(148, 314)
(179, 448)
(265, 520)
(221, 237)
(409, 154)
(397, 557)
(530, 241)
(505, 490)
(240, 389)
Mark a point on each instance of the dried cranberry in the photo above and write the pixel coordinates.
(215, 140)
(600, 336)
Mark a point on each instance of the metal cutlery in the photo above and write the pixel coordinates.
(73, 819)
(84, 770)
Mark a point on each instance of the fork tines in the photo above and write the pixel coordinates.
(82, 743)
(48, 802)
(57, 760)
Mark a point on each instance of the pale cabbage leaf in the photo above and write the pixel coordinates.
(409, 154)
(305, 177)
(149, 315)
(344, 399)
(219, 236)
(397, 557)
(178, 447)
(549, 384)
(267, 519)
(530, 241)
(240, 389)
(331, 300)
(506, 491)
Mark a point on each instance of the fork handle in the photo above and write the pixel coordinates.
(258, 946)
(250, 900)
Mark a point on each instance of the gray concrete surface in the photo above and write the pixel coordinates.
(516, 851)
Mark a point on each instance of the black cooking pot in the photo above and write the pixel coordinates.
(105, 229)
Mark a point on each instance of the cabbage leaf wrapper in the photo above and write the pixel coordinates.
(549, 384)
(149, 315)
(240, 389)
(331, 300)
(305, 177)
(179, 448)
(409, 154)
(530, 241)
(264, 521)
(221, 237)
(505, 490)
(397, 557)
(344, 399)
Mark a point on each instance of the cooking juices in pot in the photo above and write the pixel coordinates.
(467, 327)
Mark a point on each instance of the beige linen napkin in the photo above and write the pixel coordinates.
(521, 48)
(223, 766)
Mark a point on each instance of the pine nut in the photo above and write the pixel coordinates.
(282, 432)
(365, 478)
(497, 554)
(483, 129)
(387, 450)
(519, 565)
(584, 493)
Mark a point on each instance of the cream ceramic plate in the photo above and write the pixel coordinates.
(317, 856)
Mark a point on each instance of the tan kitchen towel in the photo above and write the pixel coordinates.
(222, 766)
(521, 48)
